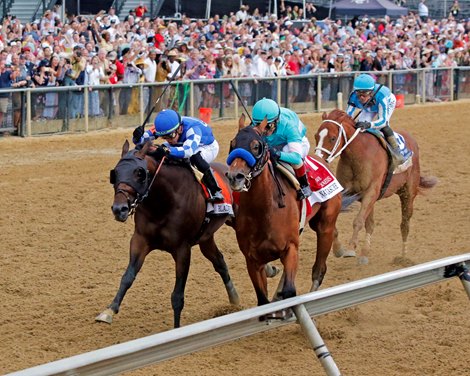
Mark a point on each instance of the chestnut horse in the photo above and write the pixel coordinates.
(170, 215)
(266, 230)
(365, 169)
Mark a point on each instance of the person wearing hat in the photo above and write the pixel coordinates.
(5, 83)
(185, 138)
(376, 102)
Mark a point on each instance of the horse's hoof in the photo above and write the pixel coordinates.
(284, 314)
(315, 286)
(105, 316)
(272, 270)
(338, 252)
(234, 299)
(362, 260)
(349, 254)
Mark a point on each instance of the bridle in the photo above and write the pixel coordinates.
(334, 152)
(140, 194)
(260, 162)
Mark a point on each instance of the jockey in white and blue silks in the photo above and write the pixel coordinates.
(286, 137)
(380, 107)
(185, 138)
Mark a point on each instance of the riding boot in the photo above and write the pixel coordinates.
(396, 153)
(304, 190)
(211, 184)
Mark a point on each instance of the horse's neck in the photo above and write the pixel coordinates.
(259, 197)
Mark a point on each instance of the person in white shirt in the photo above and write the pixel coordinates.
(423, 10)
(150, 74)
(93, 73)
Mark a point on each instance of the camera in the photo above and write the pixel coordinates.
(78, 53)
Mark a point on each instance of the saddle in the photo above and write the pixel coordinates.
(391, 169)
(405, 152)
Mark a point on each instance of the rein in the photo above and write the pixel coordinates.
(333, 153)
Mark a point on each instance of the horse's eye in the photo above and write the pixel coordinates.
(333, 139)
(255, 148)
(140, 174)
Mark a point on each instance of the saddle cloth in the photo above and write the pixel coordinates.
(323, 183)
(218, 208)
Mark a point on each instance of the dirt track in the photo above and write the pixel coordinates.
(63, 255)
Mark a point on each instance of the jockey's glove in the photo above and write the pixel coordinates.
(137, 135)
(275, 154)
(363, 125)
(160, 152)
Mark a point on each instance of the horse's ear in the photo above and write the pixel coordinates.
(262, 126)
(241, 122)
(323, 117)
(145, 148)
(125, 148)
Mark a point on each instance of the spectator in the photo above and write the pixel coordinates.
(94, 74)
(455, 9)
(423, 10)
(140, 10)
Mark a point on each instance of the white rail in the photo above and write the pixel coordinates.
(159, 347)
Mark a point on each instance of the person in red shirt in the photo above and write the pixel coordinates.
(140, 10)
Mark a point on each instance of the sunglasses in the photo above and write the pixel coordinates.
(170, 136)
(363, 92)
(271, 125)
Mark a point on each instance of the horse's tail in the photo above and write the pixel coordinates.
(426, 183)
(348, 199)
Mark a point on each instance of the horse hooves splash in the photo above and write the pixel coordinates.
(105, 316)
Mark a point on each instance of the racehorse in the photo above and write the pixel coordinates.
(365, 169)
(268, 215)
(170, 215)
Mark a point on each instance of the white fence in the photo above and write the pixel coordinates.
(159, 347)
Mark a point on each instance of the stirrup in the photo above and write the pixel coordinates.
(216, 197)
(303, 193)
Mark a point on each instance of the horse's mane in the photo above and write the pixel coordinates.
(341, 117)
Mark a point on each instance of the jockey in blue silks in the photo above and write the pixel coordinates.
(381, 107)
(286, 137)
(185, 138)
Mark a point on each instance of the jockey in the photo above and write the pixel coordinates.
(185, 138)
(375, 101)
(285, 135)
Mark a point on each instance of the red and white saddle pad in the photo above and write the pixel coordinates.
(323, 183)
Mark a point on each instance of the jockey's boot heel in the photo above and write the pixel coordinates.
(396, 153)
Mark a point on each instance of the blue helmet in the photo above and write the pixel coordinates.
(166, 121)
(265, 108)
(364, 82)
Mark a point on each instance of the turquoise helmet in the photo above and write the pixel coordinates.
(265, 108)
(364, 82)
(166, 121)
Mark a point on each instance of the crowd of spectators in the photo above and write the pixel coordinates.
(102, 49)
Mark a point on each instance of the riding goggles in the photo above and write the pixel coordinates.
(170, 136)
(363, 92)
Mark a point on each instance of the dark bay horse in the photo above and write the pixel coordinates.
(266, 231)
(171, 218)
(364, 169)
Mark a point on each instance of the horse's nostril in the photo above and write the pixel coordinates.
(240, 176)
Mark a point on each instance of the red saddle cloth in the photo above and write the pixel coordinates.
(223, 185)
(323, 183)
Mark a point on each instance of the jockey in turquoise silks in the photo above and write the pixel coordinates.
(185, 138)
(375, 101)
(286, 138)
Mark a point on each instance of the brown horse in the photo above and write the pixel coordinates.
(267, 220)
(170, 215)
(365, 169)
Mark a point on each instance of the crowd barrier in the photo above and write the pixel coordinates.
(48, 110)
(167, 345)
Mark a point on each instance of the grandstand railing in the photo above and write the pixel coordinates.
(49, 110)
(163, 346)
